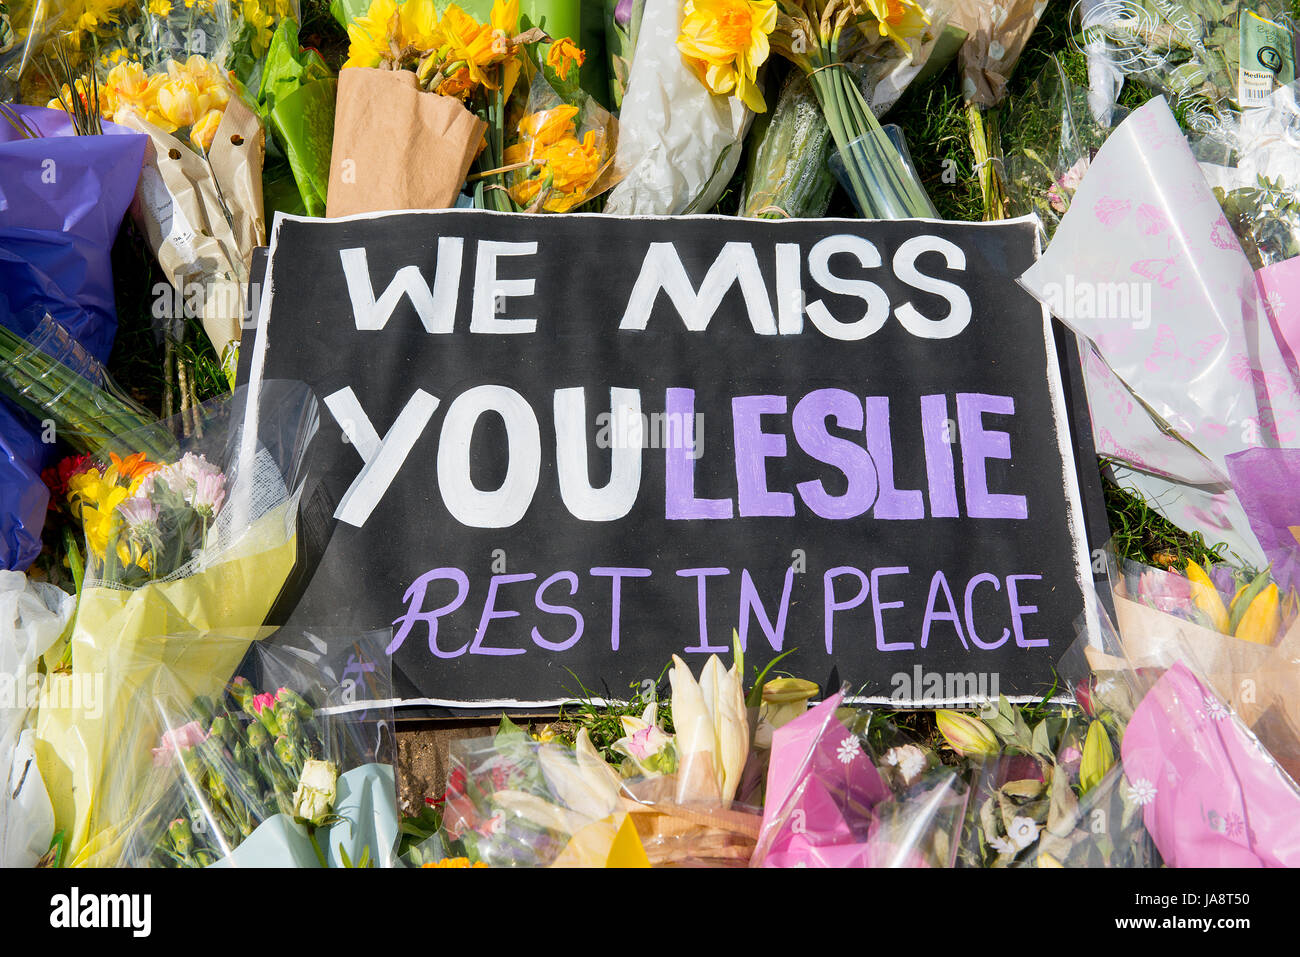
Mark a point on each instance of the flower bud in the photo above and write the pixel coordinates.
(1098, 757)
(785, 699)
(182, 837)
(965, 733)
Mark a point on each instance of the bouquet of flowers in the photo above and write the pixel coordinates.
(199, 200)
(846, 789)
(516, 800)
(1049, 794)
(283, 778)
(1052, 138)
(822, 40)
(194, 545)
(455, 87)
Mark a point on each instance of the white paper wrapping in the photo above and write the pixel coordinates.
(678, 144)
(1146, 265)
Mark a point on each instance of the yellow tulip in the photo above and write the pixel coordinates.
(1206, 597)
(205, 129)
(1263, 618)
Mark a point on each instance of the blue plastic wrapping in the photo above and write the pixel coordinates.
(62, 199)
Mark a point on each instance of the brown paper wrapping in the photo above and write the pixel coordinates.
(997, 33)
(1260, 682)
(178, 205)
(397, 147)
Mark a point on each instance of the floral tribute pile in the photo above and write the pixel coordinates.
(146, 531)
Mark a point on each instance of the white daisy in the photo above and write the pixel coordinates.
(908, 758)
(1023, 832)
(1142, 791)
(1214, 708)
(848, 750)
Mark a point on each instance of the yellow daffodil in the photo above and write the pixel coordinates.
(473, 44)
(505, 17)
(725, 42)
(900, 20)
(417, 24)
(563, 55)
(261, 24)
(393, 34)
(368, 35)
(562, 169)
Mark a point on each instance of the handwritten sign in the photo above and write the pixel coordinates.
(559, 449)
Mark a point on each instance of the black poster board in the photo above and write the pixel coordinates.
(854, 439)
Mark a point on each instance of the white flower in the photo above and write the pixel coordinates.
(317, 787)
(909, 759)
(1214, 708)
(848, 749)
(1023, 832)
(1143, 791)
(996, 51)
(1002, 845)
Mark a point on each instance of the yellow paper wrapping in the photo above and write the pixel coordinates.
(191, 634)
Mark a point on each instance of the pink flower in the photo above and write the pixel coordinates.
(176, 740)
(1071, 755)
(138, 512)
(263, 701)
(647, 742)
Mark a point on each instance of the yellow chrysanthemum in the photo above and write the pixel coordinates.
(725, 42)
(900, 20)
(160, 8)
